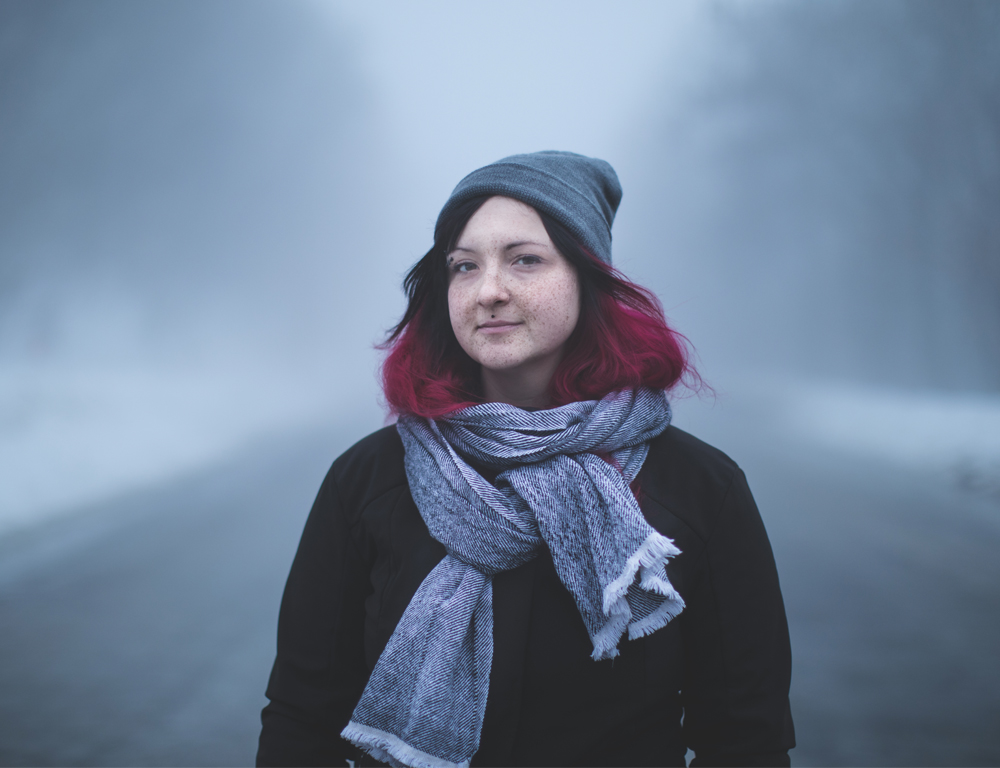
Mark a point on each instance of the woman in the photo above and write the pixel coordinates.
(466, 578)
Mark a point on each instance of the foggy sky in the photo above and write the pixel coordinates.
(810, 187)
(826, 200)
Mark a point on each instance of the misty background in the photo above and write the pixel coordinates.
(207, 208)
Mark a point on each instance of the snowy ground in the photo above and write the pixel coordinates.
(957, 434)
(73, 436)
(954, 436)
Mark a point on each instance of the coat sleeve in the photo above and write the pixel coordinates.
(738, 655)
(319, 672)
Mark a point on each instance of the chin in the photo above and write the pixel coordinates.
(502, 365)
(510, 363)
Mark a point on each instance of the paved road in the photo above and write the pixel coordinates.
(141, 632)
(891, 582)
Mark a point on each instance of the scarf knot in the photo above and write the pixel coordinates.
(426, 698)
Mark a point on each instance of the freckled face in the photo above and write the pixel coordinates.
(513, 298)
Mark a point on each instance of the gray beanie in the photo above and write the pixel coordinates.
(581, 193)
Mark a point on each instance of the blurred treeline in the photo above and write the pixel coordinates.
(818, 191)
(824, 194)
(181, 181)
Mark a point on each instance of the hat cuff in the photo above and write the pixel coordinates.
(542, 191)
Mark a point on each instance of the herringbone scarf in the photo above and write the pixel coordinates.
(425, 701)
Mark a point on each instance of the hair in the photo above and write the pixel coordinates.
(621, 340)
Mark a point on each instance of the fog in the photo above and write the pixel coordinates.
(207, 209)
(831, 177)
(190, 236)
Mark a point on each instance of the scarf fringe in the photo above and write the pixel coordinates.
(662, 616)
(606, 642)
(653, 551)
(651, 581)
(388, 748)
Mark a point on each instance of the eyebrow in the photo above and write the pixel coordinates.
(519, 243)
(508, 247)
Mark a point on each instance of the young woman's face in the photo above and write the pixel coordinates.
(513, 298)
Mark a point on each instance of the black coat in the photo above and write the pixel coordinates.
(724, 663)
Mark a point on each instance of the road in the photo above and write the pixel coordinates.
(891, 583)
(141, 631)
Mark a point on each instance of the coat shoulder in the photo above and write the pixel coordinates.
(369, 469)
(688, 477)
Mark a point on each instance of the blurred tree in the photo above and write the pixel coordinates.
(840, 167)
(199, 161)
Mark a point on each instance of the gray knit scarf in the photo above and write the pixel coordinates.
(424, 703)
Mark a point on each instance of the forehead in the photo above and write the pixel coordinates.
(503, 218)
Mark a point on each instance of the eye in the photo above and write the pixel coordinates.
(528, 259)
(458, 267)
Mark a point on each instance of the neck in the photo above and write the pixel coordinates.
(524, 388)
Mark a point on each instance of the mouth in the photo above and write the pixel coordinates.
(497, 326)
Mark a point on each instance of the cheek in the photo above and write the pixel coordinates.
(457, 311)
(571, 309)
(559, 308)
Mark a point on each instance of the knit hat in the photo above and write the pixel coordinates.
(581, 193)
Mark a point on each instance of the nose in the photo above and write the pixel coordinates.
(493, 287)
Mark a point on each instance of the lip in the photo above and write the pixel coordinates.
(496, 326)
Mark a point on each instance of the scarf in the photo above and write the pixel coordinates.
(424, 703)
